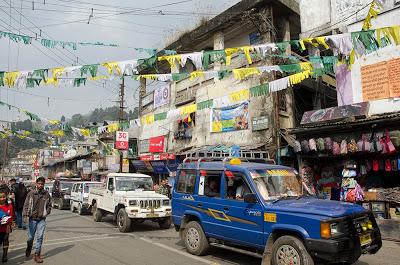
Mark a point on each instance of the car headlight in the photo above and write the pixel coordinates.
(133, 203)
(166, 202)
(329, 230)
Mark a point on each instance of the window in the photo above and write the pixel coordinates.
(210, 183)
(186, 181)
(236, 186)
(111, 184)
(282, 101)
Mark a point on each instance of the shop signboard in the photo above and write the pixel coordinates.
(336, 113)
(156, 144)
(144, 146)
(260, 123)
(159, 167)
(161, 96)
(157, 157)
(231, 118)
(87, 167)
(125, 165)
(122, 140)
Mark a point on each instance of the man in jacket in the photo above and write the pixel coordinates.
(36, 207)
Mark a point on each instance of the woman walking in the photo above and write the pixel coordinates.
(6, 217)
(20, 195)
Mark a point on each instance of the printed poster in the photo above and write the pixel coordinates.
(381, 80)
(231, 118)
(161, 96)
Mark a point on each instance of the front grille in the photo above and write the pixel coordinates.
(150, 204)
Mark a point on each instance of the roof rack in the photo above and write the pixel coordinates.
(225, 157)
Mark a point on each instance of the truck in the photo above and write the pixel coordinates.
(130, 199)
(266, 208)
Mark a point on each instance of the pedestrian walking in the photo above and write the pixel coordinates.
(37, 207)
(6, 217)
(20, 195)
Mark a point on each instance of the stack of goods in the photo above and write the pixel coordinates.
(351, 191)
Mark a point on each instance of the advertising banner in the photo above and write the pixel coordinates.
(161, 96)
(122, 140)
(156, 144)
(231, 118)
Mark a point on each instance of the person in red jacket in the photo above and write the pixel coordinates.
(6, 219)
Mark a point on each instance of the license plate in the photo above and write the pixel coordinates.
(152, 215)
(365, 239)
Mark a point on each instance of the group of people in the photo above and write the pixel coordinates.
(164, 188)
(23, 208)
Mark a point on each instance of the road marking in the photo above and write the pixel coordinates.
(205, 261)
(68, 238)
(70, 241)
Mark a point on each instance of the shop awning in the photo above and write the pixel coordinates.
(142, 166)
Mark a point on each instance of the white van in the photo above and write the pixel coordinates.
(80, 194)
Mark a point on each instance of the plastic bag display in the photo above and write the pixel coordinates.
(321, 144)
(343, 147)
(297, 147)
(313, 144)
(328, 144)
(304, 146)
(336, 149)
(352, 146)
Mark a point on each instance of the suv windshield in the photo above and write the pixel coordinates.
(277, 183)
(133, 183)
(66, 186)
(91, 185)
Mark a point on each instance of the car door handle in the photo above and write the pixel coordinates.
(226, 209)
(200, 205)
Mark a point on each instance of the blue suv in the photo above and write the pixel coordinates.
(264, 207)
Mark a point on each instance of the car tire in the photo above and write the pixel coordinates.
(123, 221)
(79, 209)
(97, 214)
(165, 223)
(287, 249)
(53, 205)
(195, 240)
(61, 206)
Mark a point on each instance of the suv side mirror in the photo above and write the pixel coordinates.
(250, 198)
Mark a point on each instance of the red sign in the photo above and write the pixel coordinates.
(156, 144)
(158, 157)
(121, 140)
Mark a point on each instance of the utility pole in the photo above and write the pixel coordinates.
(4, 157)
(121, 116)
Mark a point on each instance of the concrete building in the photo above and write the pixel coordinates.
(249, 22)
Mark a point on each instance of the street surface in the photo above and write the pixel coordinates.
(72, 239)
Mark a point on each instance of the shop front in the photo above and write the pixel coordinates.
(355, 161)
(164, 166)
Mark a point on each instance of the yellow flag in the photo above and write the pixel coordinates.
(10, 78)
(85, 132)
(306, 66)
(150, 119)
(321, 41)
(112, 66)
(297, 78)
(57, 133)
(57, 72)
(229, 52)
(112, 127)
(246, 50)
(171, 59)
(216, 126)
(242, 73)
(99, 77)
(240, 95)
(188, 109)
(150, 76)
(395, 33)
(196, 74)
(54, 122)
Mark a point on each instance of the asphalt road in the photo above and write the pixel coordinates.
(72, 239)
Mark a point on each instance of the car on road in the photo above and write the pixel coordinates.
(61, 193)
(130, 199)
(265, 207)
(80, 196)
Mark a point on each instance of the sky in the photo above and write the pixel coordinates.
(144, 24)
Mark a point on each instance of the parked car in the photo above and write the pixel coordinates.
(61, 193)
(264, 207)
(129, 198)
(80, 196)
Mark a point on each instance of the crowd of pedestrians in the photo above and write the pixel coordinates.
(27, 209)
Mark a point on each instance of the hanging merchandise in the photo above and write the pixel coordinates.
(328, 144)
(320, 144)
(394, 164)
(313, 145)
(305, 146)
(352, 146)
(375, 165)
(343, 147)
(388, 147)
(297, 146)
(364, 145)
(388, 165)
(336, 149)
